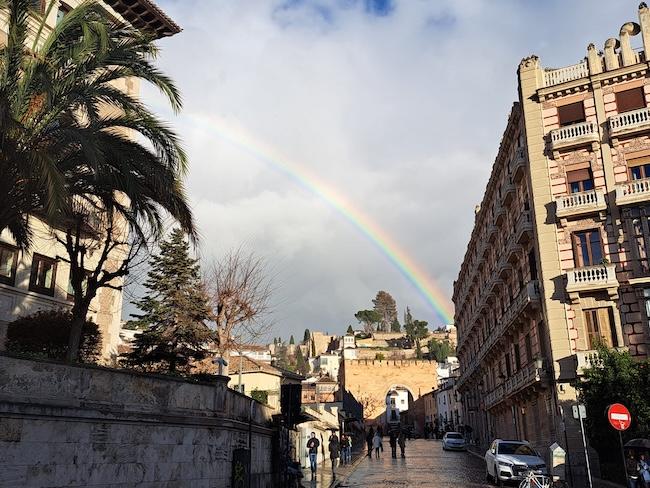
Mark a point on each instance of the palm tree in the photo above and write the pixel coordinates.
(68, 133)
(73, 146)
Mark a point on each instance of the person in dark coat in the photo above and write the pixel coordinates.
(371, 434)
(334, 447)
(393, 444)
(312, 445)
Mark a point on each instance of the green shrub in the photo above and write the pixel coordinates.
(45, 335)
(261, 396)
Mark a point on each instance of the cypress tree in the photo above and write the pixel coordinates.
(174, 312)
(306, 337)
(292, 341)
(350, 330)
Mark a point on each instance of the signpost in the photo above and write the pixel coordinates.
(619, 417)
(580, 412)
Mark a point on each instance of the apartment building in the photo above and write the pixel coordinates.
(558, 258)
(39, 278)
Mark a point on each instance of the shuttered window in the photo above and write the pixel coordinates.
(580, 180)
(571, 113)
(8, 262)
(632, 99)
(599, 325)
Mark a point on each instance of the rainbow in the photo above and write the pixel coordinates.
(433, 295)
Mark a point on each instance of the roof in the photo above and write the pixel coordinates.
(251, 366)
(146, 16)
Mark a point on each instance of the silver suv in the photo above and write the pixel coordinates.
(511, 460)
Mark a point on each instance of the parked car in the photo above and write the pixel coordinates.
(511, 460)
(454, 441)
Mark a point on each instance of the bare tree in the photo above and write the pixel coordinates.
(369, 403)
(239, 287)
(101, 252)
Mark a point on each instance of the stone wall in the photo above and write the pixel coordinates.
(63, 425)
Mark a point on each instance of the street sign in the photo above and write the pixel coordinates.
(619, 416)
(579, 411)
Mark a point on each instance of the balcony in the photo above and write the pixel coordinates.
(523, 378)
(588, 359)
(628, 123)
(494, 397)
(524, 227)
(633, 192)
(599, 277)
(518, 164)
(568, 73)
(508, 192)
(580, 203)
(574, 135)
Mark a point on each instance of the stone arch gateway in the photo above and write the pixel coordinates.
(368, 380)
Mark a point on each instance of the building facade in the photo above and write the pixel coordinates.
(558, 258)
(39, 278)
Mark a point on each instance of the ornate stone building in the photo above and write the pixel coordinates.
(558, 258)
(38, 278)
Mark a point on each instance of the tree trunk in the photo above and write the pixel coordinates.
(79, 315)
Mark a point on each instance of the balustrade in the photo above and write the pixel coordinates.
(580, 203)
(574, 134)
(568, 73)
(633, 191)
(591, 277)
(629, 121)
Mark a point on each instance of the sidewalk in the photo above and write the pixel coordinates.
(324, 477)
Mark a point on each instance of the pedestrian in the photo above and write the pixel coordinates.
(380, 431)
(632, 467)
(312, 445)
(393, 444)
(334, 447)
(369, 437)
(402, 441)
(345, 449)
(644, 471)
(376, 444)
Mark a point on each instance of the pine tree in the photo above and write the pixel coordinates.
(395, 326)
(306, 337)
(386, 307)
(301, 365)
(174, 312)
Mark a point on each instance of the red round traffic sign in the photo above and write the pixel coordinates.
(619, 416)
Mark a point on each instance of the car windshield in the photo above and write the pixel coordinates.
(454, 435)
(516, 449)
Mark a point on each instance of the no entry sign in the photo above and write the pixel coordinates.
(619, 416)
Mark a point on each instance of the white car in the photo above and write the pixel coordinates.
(511, 460)
(453, 441)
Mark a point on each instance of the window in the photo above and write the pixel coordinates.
(517, 358)
(529, 349)
(639, 168)
(572, 113)
(580, 180)
(631, 99)
(587, 248)
(599, 324)
(532, 264)
(8, 262)
(637, 226)
(43, 275)
(61, 12)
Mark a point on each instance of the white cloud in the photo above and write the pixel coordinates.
(402, 113)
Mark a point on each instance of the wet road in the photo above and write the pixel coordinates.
(425, 465)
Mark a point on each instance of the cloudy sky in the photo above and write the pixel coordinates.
(397, 105)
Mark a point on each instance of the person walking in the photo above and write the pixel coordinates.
(345, 449)
(369, 438)
(334, 447)
(632, 467)
(312, 445)
(644, 472)
(376, 444)
(393, 444)
(402, 441)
